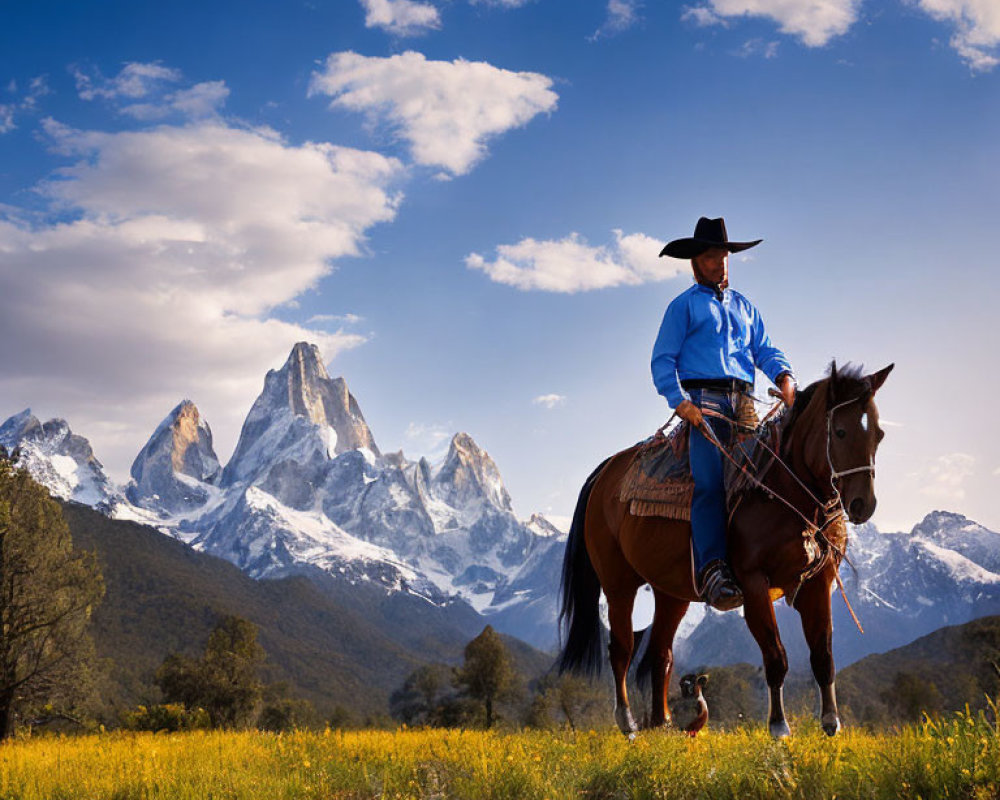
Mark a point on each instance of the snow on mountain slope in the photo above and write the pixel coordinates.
(177, 471)
(60, 459)
(307, 488)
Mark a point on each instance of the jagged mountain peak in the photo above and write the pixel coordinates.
(468, 473)
(61, 460)
(173, 472)
(939, 521)
(302, 409)
(18, 425)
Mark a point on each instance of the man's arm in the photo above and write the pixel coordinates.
(666, 350)
(771, 360)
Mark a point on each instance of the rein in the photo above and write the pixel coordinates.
(833, 508)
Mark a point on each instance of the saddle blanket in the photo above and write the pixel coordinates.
(658, 482)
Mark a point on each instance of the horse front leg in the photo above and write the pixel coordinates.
(813, 605)
(759, 614)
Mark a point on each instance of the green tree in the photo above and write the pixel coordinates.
(911, 696)
(486, 672)
(47, 593)
(418, 701)
(224, 681)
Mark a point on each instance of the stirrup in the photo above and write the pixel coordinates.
(719, 588)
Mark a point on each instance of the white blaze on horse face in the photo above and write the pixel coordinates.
(864, 421)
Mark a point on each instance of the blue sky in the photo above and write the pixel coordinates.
(461, 203)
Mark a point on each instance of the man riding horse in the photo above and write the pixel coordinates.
(808, 472)
(710, 343)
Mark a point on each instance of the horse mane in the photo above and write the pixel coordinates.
(850, 381)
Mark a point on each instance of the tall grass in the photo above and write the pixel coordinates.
(957, 757)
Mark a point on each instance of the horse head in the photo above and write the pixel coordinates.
(832, 434)
(852, 436)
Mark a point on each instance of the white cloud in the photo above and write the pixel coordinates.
(149, 84)
(622, 15)
(401, 17)
(345, 319)
(135, 80)
(500, 3)
(572, 265)
(550, 401)
(943, 479)
(702, 16)
(201, 100)
(156, 275)
(977, 24)
(37, 87)
(430, 440)
(758, 47)
(446, 110)
(815, 22)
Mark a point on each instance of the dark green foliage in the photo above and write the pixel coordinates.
(486, 673)
(224, 681)
(282, 712)
(418, 700)
(938, 673)
(342, 647)
(168, 717)
(910, 697)
(47, 592)
(568, 700)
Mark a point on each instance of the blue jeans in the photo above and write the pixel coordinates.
(708, 507)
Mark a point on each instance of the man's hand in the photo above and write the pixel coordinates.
(689, 412)
(786, 384)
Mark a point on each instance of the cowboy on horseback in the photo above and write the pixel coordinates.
(710, 343)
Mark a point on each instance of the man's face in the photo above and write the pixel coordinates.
(713, 265)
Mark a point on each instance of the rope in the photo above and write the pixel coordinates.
(709, 434)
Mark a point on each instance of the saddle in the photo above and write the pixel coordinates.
(658, 482)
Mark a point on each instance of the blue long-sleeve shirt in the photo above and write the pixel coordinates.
(704, 337)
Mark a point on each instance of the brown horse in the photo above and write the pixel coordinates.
(828, 440)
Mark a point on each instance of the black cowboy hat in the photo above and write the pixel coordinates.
(708, 233)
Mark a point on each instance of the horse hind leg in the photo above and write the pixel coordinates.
(658, 662)
(620, 650)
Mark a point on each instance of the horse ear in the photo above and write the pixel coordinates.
(878, 378)
(830, 387)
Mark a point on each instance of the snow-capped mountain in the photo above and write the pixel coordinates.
(307, 488)
(177, 471)
(60, 459)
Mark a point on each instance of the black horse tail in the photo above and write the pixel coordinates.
(643, 659)
(580, 626)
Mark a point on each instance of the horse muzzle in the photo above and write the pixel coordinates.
(860, 510)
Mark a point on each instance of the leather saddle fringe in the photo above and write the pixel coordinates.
(658, 481)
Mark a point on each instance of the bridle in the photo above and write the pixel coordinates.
(834, 473)
(832, 509)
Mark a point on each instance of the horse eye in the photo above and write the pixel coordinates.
(841, 433)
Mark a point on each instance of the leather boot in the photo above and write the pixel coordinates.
(719, 588)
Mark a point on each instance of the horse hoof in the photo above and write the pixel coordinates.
(831, 724)
(779, 729)
(625, 720)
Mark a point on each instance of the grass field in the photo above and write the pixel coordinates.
(958, 757)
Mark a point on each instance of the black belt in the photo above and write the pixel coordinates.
(718, 384)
